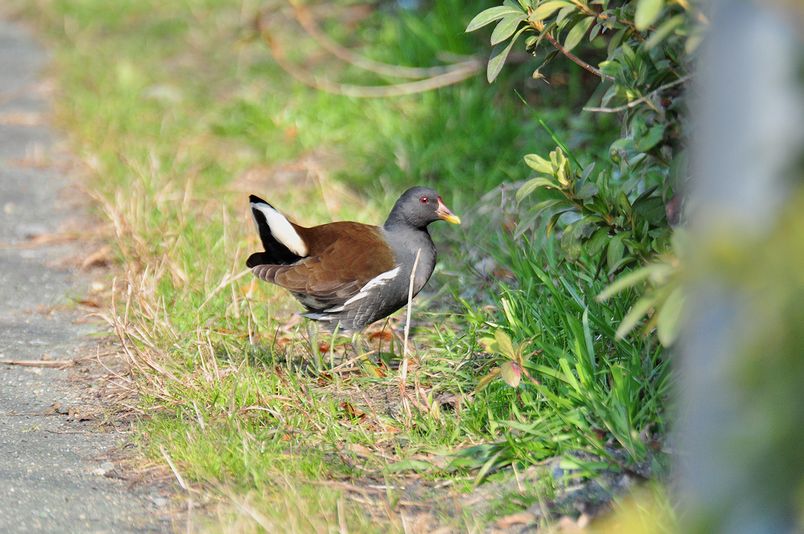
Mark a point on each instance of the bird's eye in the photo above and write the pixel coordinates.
(424, 200)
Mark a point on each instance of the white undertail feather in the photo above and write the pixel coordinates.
(282, 230)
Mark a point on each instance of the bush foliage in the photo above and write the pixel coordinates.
(613, 208)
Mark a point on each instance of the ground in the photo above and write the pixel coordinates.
(59, 465)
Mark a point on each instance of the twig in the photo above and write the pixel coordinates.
(572, 57)
(251, 512)
(173, 468)
(403, 375)
(305, 19)
(640, 100)
(350, 361)
(586, 10)
(454, 75)
(225, 281)
(342, 528)
(44, 240)
(55, 364)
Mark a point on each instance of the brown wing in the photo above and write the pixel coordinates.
(342, 258)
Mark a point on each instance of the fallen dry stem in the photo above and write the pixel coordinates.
(54, 364)
(172, 466)
(305, 19)
(455, 74)
(403, 375)
(41, 240)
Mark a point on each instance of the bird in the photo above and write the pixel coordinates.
(348, 274)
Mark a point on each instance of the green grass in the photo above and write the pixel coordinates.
(179, 114)
(591, 389)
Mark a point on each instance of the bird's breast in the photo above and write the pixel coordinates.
(406, 246)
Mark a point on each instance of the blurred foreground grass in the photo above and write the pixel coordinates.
(179, 112)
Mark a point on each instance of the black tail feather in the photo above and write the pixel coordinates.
(259, 258)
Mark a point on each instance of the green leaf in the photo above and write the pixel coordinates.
(486, 380)
(551, 223)
(564, 13)
(587, 336)
(538, 164)
(489, 345)
(637, 311)
(587, 171)
(626, 260)
(510, 314)
(615, 41)
(563, 173)
(571, 239)
(610, 93)
(586, 191)
(524, 4)
(546, 204)
(598, 241)
(527, 223)
(596, 29)
(668, 321)
(664, 30)
(568, 376)
(498, 56)
(626, 281)
(624, 204)
(628, 52)
(647, 12)
(577, 32)
(532, 185)
(506, 27)
(615, 251)
(652, 138)
(504, 343)
(487, 467)
(511, 373)
(693, 41)
(651, 209)
(491, 14)
(548, 8)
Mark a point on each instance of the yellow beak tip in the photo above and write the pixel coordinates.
(454, 219)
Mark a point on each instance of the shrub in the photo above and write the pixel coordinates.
(614, 208)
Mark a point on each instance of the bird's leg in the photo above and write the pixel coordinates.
(406, 344)
(332, 347)
(366, 349)
(312, 334)
(397, 345)
(393, 348)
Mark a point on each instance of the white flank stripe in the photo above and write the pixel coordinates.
(282, 230)
(379, 280)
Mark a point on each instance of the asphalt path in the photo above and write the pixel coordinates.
(57, 473)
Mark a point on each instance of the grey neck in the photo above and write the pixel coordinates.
(397, 221)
